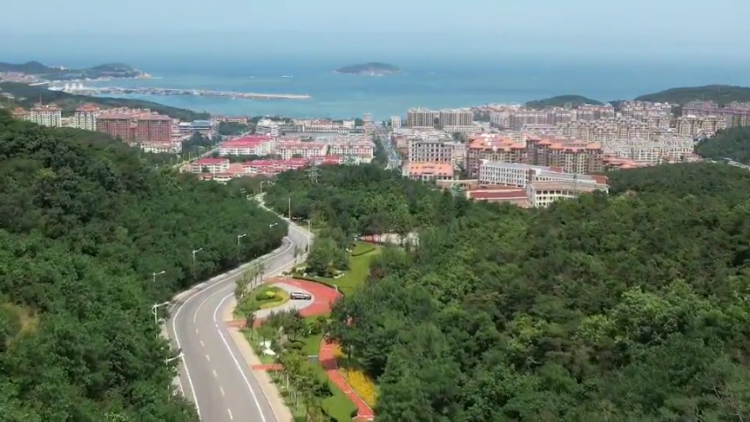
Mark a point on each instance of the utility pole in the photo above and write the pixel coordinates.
(313, 170)
(239, 236)
(195, 252)
(290, 208)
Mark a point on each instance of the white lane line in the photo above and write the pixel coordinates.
(215, 375)
(234, 276)
(230, 414)
(239, 367)
(202, 345)
(222, 391)
(217, 283)
(208, 358)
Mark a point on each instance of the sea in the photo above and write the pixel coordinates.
(431, 84)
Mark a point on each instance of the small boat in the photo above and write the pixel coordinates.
(287, 76)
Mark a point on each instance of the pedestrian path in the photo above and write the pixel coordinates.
(327, 356)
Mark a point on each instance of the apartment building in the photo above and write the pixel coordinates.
(395, 122)
(668, 146)
(700, 126)
(430, 150)
(428, 171)
(159, 147)
(493, 148)
(421, 117)
(573, 156)
(296, 149)
(520, 175)
(324, 126)
(46, 115)
(259, 145)
(735, 114)
(364, 151)
(85, 117)
(135, 125)
(243, 120)
(456, 118)
(644, 109)
(592, 112)
(607, 129)
(209, 165)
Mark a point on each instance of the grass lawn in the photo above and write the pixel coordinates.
(254, 340)
(263, 297)
(359, 268)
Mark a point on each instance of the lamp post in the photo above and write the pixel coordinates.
(153, 275)
(195, 251)
(239, 236)
(272, 225)
(180, 356)
(155, 311)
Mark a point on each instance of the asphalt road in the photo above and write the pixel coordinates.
(213, 374)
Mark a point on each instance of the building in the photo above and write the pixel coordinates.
(159, 147)
(135, 125)
(430, 150)
(267, 127)
(520, 175)
(666, 147)
(456, 118)
(85, 117)
(493, 148)
(296, 149)
(572, 156)
(428, 171)
(395, 122)
(243, 120)
(700, 126)
(542, 194)
(361, 151)
(209, 165)
(19, 113)
(260, 145)
(422, 118)
(735, 114)
(46, 115)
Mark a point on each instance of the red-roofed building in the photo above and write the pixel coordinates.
(289, 149)
(516, 196)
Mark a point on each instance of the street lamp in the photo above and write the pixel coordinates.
(195, 251)
(155, 311)
(180, 356)
(272, 225)
(239, 236)
(153, 275)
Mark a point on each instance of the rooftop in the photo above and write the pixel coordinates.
(428, 168)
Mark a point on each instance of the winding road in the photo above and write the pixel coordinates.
(213, 372)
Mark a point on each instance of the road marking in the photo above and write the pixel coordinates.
(230, 414)
(240, 367)
(208, 358)
(215, 375)
(202, 345)
(210, 285)
(222, 390)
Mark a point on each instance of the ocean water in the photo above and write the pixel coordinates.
(437, 84)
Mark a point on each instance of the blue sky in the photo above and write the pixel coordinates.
(591, 28)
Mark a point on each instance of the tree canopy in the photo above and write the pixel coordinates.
(85, 222)
(731, 143)
(628, 307)
(721, 94)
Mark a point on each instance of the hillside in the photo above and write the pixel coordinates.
(623, 308)
(83, 224)
(26, 96)
(721, 94)
(563, 101)
(109, 70)
(733, 143)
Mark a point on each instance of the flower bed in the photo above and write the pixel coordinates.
(360, 382)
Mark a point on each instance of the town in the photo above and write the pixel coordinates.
(497, 153)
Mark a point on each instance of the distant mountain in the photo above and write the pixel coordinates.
(109, 70)
(563, 101)
(371, 68)
(721, 94)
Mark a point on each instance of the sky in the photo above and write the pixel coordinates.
(656, 29)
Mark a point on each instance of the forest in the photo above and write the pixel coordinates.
(628, 307)
(92, 234)
(731, 143)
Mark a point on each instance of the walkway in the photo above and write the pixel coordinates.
(323, 299)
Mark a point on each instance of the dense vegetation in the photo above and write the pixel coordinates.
(633, 307)
(731, 143)
(109, 70)
(84, 224)
(563, 101)
(721, 94)
(26, 96)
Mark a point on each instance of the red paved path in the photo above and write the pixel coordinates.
(324, 297)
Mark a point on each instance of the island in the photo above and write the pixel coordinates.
(370, 69)
(26, 96)
(60, 73)
(570, 101)
(720, 94)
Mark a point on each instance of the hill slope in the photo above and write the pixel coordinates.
(83, 224)
(563, 101)
(721, 94)
(109, 70)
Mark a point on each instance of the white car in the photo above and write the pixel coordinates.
(300, 296)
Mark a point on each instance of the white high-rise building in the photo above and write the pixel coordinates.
(85, 117)
(46, 115)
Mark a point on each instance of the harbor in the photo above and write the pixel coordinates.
(85, 90)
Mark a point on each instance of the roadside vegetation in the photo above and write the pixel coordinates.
(733, 143)
(625, 307)
(91, 236)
